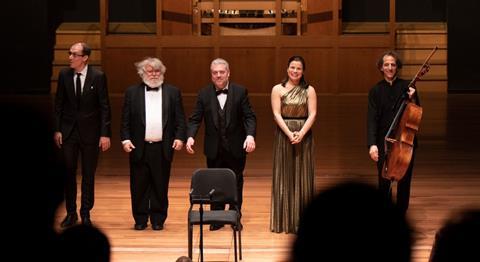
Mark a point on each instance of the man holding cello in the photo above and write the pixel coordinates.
(384, 102)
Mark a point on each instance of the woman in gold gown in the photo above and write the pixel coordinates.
(294, 106)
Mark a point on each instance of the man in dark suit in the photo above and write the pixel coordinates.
(153, 125)
(382, 106)
(82, 126)
(230, 124)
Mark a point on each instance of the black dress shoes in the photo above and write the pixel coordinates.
(140, 226)
(157, 226)
(214, 227)
(70, 220)
(86, 221)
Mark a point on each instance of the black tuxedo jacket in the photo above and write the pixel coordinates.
(240, 119)
(133, 119)
(92, 116)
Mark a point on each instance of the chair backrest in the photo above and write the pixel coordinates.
(221, 180)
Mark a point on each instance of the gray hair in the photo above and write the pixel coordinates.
(151, 61)
(86, 49)
(220, 61)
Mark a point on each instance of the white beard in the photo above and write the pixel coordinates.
(153, 82)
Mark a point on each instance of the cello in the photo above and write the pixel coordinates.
(399, 140)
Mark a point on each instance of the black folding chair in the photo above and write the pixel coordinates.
(214, 185)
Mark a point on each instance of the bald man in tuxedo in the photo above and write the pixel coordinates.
(82, 127)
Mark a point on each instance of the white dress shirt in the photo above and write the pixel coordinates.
(82, 78)
(222, 98)
(153, 115)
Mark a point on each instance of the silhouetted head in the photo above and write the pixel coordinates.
(32, 176)
(352, 222)
(458, 239)
(183, 259)
(82, 243)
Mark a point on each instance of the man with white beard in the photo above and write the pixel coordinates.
(153, 125)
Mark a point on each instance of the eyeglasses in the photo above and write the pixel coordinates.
(74, 54)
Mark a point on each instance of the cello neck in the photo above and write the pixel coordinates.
(423, 69)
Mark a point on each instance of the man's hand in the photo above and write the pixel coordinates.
(373, 153)
(177, 144)
(249, 144)
(104, 143)
(57, 138)
(189, 145)
(128, 146)
(410, 92)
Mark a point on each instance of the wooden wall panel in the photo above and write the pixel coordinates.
(334, 65)
(320, 17)
(357, 70)
(187, 68)
(177, 17)
(318, 71)
(253, 68)
(119, 66)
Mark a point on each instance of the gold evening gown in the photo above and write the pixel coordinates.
(293, 165)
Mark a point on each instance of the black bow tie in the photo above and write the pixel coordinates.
(223, 91)
(155, 89)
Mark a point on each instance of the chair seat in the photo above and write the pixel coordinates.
(214, 216)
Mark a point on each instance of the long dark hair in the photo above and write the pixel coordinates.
(300, 59)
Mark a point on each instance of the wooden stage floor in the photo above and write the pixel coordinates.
(446, 178)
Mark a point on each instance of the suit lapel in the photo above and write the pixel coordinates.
(88, 80)
(214, 105)
(141, 101)
(165, 106)
(228, 104)
(70, 86)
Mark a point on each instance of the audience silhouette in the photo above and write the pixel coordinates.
(31, 178)
(347, 222)
(183, 259)
(84, 243)
(458, 239)
(352, 222)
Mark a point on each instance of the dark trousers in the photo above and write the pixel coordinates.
(403, 186)
(72, 148)
(149, 179)
(226, 160)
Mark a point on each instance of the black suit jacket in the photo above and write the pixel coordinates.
(240, 119)
(133, 119)
(383, 104)
(92, 116)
